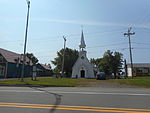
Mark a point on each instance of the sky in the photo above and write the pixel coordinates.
(104, 23)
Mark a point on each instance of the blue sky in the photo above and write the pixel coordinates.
(104, 23)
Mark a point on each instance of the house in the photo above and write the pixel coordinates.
(11, 64)
(82, 67)
(139, 69)
(43, 70)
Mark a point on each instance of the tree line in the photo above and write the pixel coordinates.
(110, 63)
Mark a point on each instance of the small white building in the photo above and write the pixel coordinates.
(139, 69)
(82, 67)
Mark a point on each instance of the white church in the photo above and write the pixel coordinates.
(82, 67)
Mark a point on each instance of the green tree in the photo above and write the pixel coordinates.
(70, 58)
(117, 66)
(112, 62)
(96, 63)
(34, 61)
(32, 58)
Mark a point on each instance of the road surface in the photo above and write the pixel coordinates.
(74, 100)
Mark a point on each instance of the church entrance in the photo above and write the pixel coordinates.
(82, 74)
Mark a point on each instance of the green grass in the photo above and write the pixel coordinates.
(48, 81)
(136, 81)
(67, 82)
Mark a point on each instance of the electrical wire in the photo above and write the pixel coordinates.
(54, 38)
(141, 43)
(145, 14)
(114, 44)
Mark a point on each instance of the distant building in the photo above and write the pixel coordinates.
(82, 67)
(43, 70)
(11, 64)
(139, 69)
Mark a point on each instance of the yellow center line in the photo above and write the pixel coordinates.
(75, 109)
(107, 108)
(81, 108)
(89, 107)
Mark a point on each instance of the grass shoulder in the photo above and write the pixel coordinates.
(136, 81)
(68, 82)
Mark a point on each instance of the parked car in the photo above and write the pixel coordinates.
(101, 76)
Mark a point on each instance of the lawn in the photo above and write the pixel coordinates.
(136, 81)
(67, 82)
(48, 81)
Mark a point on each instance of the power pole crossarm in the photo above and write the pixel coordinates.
(128, 34)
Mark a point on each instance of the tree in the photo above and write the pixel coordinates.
(70, 58)
(32, 58)
(112, 62)
(117, 66)
(96, 63)
(34, 61)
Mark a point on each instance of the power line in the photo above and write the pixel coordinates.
(71, 36)
(114, 44)
(97, 32)
(140, 48)
(141, 43)
(145, 14)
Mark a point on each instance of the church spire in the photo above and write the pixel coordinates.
(82, 43)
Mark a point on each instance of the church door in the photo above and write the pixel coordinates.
(82, 74)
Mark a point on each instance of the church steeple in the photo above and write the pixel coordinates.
(82, 43)
(82, 67)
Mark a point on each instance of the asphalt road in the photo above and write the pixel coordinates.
(74, 100)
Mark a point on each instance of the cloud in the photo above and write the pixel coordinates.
(92, 23)
(81, 22)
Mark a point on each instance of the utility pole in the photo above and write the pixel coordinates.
(63, 61)
(125, 67)
(25, 43)
(128, 34)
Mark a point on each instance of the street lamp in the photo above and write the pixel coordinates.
(25, 43)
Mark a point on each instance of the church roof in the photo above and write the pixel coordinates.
(82, 43)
